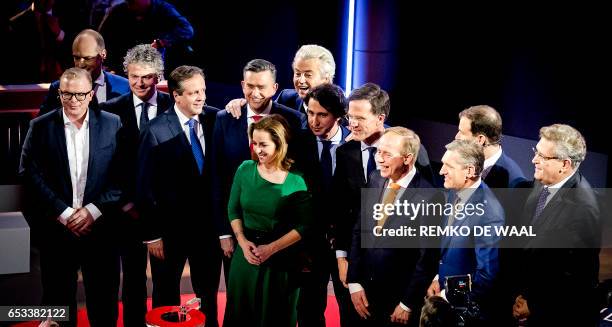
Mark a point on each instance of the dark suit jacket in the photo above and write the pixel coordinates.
(505, 173)
(231, 148)
(115, 86)
(44, 165)
(561, 264)
(291, 99)
(400, 271)
(174, 197)
(128, 138)
(475, 255)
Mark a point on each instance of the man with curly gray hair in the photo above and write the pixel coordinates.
(561, 263)
(144, 68)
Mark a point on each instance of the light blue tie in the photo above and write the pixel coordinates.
(196, 147)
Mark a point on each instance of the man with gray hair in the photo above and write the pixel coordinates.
(560, 264)
(144, 67)
(476, 255)
(313, 65)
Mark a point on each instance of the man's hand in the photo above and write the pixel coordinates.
(520, 309)
(264, 252)
(227, 245)
(434, 289)
(156, 249)
(361, 304)
(400, 315)
(80, 222)
(342, 270)
(247, 249)
(233, 107)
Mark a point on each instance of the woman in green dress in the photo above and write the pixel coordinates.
(268, 207)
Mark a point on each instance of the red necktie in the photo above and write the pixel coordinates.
(256, 118)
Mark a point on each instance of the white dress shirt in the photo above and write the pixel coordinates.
(335, 142)
(251, 113)
(77, 146)
(365, 156)
(151, 112)
(99, 85)
(493, 159)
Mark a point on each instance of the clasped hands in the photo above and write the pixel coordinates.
(256, 254)
(79, 223)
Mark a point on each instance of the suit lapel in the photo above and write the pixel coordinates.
(94, 136)
(60, 140)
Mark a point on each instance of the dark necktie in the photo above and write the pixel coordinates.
(371, 161)
(144, 115)
(485, 172)
(196, 147)
(541, 204)
(326, 162)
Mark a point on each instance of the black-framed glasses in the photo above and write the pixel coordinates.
(87, 59)
(541, 156)
(67, 96)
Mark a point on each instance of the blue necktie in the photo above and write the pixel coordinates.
(196, 147)
(326, 163)
(371, 161)
(144, 115)
(541, 204)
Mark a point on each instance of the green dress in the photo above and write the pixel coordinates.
(260, 295)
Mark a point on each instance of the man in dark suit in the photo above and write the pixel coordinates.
(472, 254)
(88, 52)
(68, 161)
(231, 141)
(387, 278)
(561, 263)
(144, 67)
(174, 183)
(483, 124)
(316, 159)
(313, 65)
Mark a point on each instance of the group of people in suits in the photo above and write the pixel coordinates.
(135, 171)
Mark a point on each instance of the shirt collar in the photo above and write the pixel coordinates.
(465, 193)
(182, 118)
(251, 113)
(405, 181)
(67, 121)
(334, 139)
(365, 146)
(493, 159)
(152, 101)
(561, 183)
(100, 80)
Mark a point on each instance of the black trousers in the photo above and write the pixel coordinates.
(205, 263)
(62, 255)
(313, 293)
(134, 268)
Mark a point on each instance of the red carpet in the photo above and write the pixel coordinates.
(331, 314)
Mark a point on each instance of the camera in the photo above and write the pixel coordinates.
(459, 295)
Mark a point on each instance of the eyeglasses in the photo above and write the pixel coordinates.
(541, 156)
(67, 96)
(79, 58)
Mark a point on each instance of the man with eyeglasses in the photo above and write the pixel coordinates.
(387, 280)
(89, 52)
(560, 265)
(144, 67)
(69, 162)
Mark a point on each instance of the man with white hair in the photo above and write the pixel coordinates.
(561, 263)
